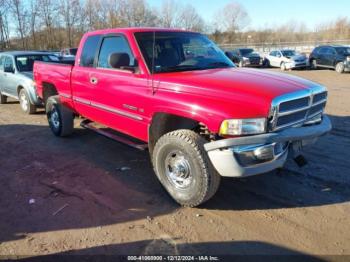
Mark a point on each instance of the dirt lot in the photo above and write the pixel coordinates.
(86, 203)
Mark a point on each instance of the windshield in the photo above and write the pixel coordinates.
(343, 50)
(180, 51)
(288, 53)
(245, 52)
(25, 63)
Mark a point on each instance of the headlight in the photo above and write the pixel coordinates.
(248, 126)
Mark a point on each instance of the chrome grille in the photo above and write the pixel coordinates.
(297, 108)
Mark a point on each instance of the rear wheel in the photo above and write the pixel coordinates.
(26, 105)
(184, 169)
(60, 118)
(3, 99)
(339, 67)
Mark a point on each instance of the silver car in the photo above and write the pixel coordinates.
(16, 77)
(286, 59)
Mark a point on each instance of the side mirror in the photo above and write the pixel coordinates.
(9, 69)
(121, 61)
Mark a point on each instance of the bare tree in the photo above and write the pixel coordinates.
(190, 19)
(33, 15)
(231, 18)
(169, 15)
(4, 28)
(48, 14)
(69, 11)
(137, 13)
(19, 15)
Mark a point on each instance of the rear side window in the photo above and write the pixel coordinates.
(89, 51)
(8, 62)
(110, 45)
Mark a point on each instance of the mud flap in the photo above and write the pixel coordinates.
(296, 148)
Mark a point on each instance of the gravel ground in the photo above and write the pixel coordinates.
(73, 196)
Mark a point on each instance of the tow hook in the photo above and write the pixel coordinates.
(300, 160)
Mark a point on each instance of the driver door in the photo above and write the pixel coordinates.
(119, 95)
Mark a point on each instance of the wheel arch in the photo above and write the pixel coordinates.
(49, 89)
(163, 123)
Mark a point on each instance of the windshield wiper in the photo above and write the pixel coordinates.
(180, 68)
(218, 65)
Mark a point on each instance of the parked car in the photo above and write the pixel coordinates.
(69, 52)
(286, 59)
(16, 77)
(245, 57)
(331, 56)
(176, 93)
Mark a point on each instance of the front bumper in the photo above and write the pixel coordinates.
(347, 66)
(224, 157)
(292, 65)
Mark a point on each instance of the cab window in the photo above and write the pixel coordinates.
(8, 62)
(89, 51)
(113, 44)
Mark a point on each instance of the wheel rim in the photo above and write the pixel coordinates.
(178, 169)
(283, 67)
(314, 63)
(55, 118)
(24, 101)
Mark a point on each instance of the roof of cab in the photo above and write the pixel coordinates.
(135, 30)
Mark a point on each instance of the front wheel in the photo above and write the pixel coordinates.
(60, 118)
(184, 169)
(339, 67)
(283, 66)
(26, 106)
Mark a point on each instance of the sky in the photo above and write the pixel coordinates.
(267, 13)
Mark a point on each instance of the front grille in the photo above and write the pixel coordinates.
(255, 60)
(295, 109)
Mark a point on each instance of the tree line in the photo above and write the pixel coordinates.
(51, 24)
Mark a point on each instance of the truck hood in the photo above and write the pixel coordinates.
(230, 88)
(297, 57)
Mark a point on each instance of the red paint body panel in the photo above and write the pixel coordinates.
(125, 101)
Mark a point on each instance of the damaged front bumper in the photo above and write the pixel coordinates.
(252, 155)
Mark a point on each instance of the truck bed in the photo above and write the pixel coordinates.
(56, 73)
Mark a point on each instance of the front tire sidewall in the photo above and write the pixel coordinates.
(52, 107)
(339, 67)
(29, 107)
(205, 180)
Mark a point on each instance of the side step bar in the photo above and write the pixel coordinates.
(110, 134)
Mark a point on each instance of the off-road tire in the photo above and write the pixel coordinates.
(3, 99)
(339, 67)
(205, 181)
(28, 107)
(64, 119)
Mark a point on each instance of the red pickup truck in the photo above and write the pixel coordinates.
(178, 94)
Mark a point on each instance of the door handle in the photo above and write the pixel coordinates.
(93, 80)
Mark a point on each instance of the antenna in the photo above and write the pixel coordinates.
(153, 54)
